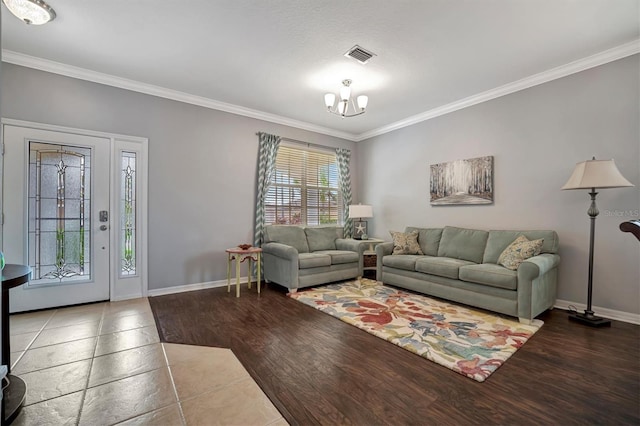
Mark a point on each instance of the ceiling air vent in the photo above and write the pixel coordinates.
(359, 54)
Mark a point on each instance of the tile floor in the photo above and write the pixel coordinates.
(103, 364)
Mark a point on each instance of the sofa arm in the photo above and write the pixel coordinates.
(281, 250)
(353, 245)
(280, 264)
(537, 285)
(382, 249)
(537, 266)
(350, 245)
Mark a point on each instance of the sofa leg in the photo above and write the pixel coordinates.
(524, 321)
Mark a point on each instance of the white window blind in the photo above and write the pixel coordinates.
(304, 189)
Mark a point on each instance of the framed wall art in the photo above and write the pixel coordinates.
(462, 182)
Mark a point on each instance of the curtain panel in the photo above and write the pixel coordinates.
(266, 166)
(343, 157)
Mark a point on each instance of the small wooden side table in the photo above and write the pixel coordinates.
(252, 254)
(369, 258)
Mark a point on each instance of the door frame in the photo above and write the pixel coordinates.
(138, 285)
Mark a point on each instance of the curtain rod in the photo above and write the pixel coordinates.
(303, 142)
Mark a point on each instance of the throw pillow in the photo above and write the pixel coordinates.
(518, 251)
(405, 243)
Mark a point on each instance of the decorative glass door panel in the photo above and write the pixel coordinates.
(56, 186)
(128, 214)
(60, 213)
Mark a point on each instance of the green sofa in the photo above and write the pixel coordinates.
(461, 265)
(301, 256)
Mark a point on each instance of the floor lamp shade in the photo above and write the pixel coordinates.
(590, 175)
(596, 174)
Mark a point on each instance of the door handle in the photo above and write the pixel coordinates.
(103, 227)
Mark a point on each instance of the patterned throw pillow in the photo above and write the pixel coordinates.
(405, 243)
(519, 251)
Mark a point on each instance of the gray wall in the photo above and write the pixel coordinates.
(202, 164)
(536, 137)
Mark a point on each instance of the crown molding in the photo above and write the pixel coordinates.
(150, 89)
(619, 52)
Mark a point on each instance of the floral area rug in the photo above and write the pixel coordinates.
(471, 342)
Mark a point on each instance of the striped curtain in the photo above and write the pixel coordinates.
(266, 165)
(343, 156)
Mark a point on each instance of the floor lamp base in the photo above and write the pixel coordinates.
(589, 319)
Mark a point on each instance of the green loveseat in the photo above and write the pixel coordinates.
(461, 265)
(300, 256)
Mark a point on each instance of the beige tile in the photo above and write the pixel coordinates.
(167, 416)
(114, 324)
(122, 340)
(241, 403)
(25, 323)
(126, 398)
(15, 356)
(53, 336)
(177, 353)
(220, 369)
(128, 307)
(62, 319)
(20, 342)
(58, 411)
(118, 365)
(53, 355)
(279, 422)
(56, 381)
(88, 308)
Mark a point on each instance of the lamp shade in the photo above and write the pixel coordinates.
(596, 174)
(329, 99)
(360, 210)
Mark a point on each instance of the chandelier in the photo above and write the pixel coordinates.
(33, 12)
(345, 103)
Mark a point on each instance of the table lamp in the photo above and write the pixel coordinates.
(594, 174)
(360, 211)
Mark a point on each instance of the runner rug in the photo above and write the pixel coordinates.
(471, 342)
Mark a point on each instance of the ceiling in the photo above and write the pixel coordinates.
(275, 59)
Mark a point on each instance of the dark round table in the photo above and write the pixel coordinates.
(14, 393)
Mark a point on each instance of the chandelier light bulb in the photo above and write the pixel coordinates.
(329, 100)
(363, 100)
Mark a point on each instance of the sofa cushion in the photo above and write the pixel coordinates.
(313, 260)
(405, 243)
(323, 238)
(491, 275)
(519, 251)
(441, 266)
(500, 240)
(402, 261)
(428, 238)
(465, 244)
(340, 256)
(287, 234)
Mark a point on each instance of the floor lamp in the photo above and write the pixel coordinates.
(594, 174)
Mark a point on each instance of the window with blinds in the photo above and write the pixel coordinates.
(304, 189)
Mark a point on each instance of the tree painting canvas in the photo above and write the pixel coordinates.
(462, 182)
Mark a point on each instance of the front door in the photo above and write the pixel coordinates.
(56, 216)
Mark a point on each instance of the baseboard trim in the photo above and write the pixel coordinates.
(601, 312)
(190, 287)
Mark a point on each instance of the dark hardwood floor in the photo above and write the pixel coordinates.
(317, 369)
